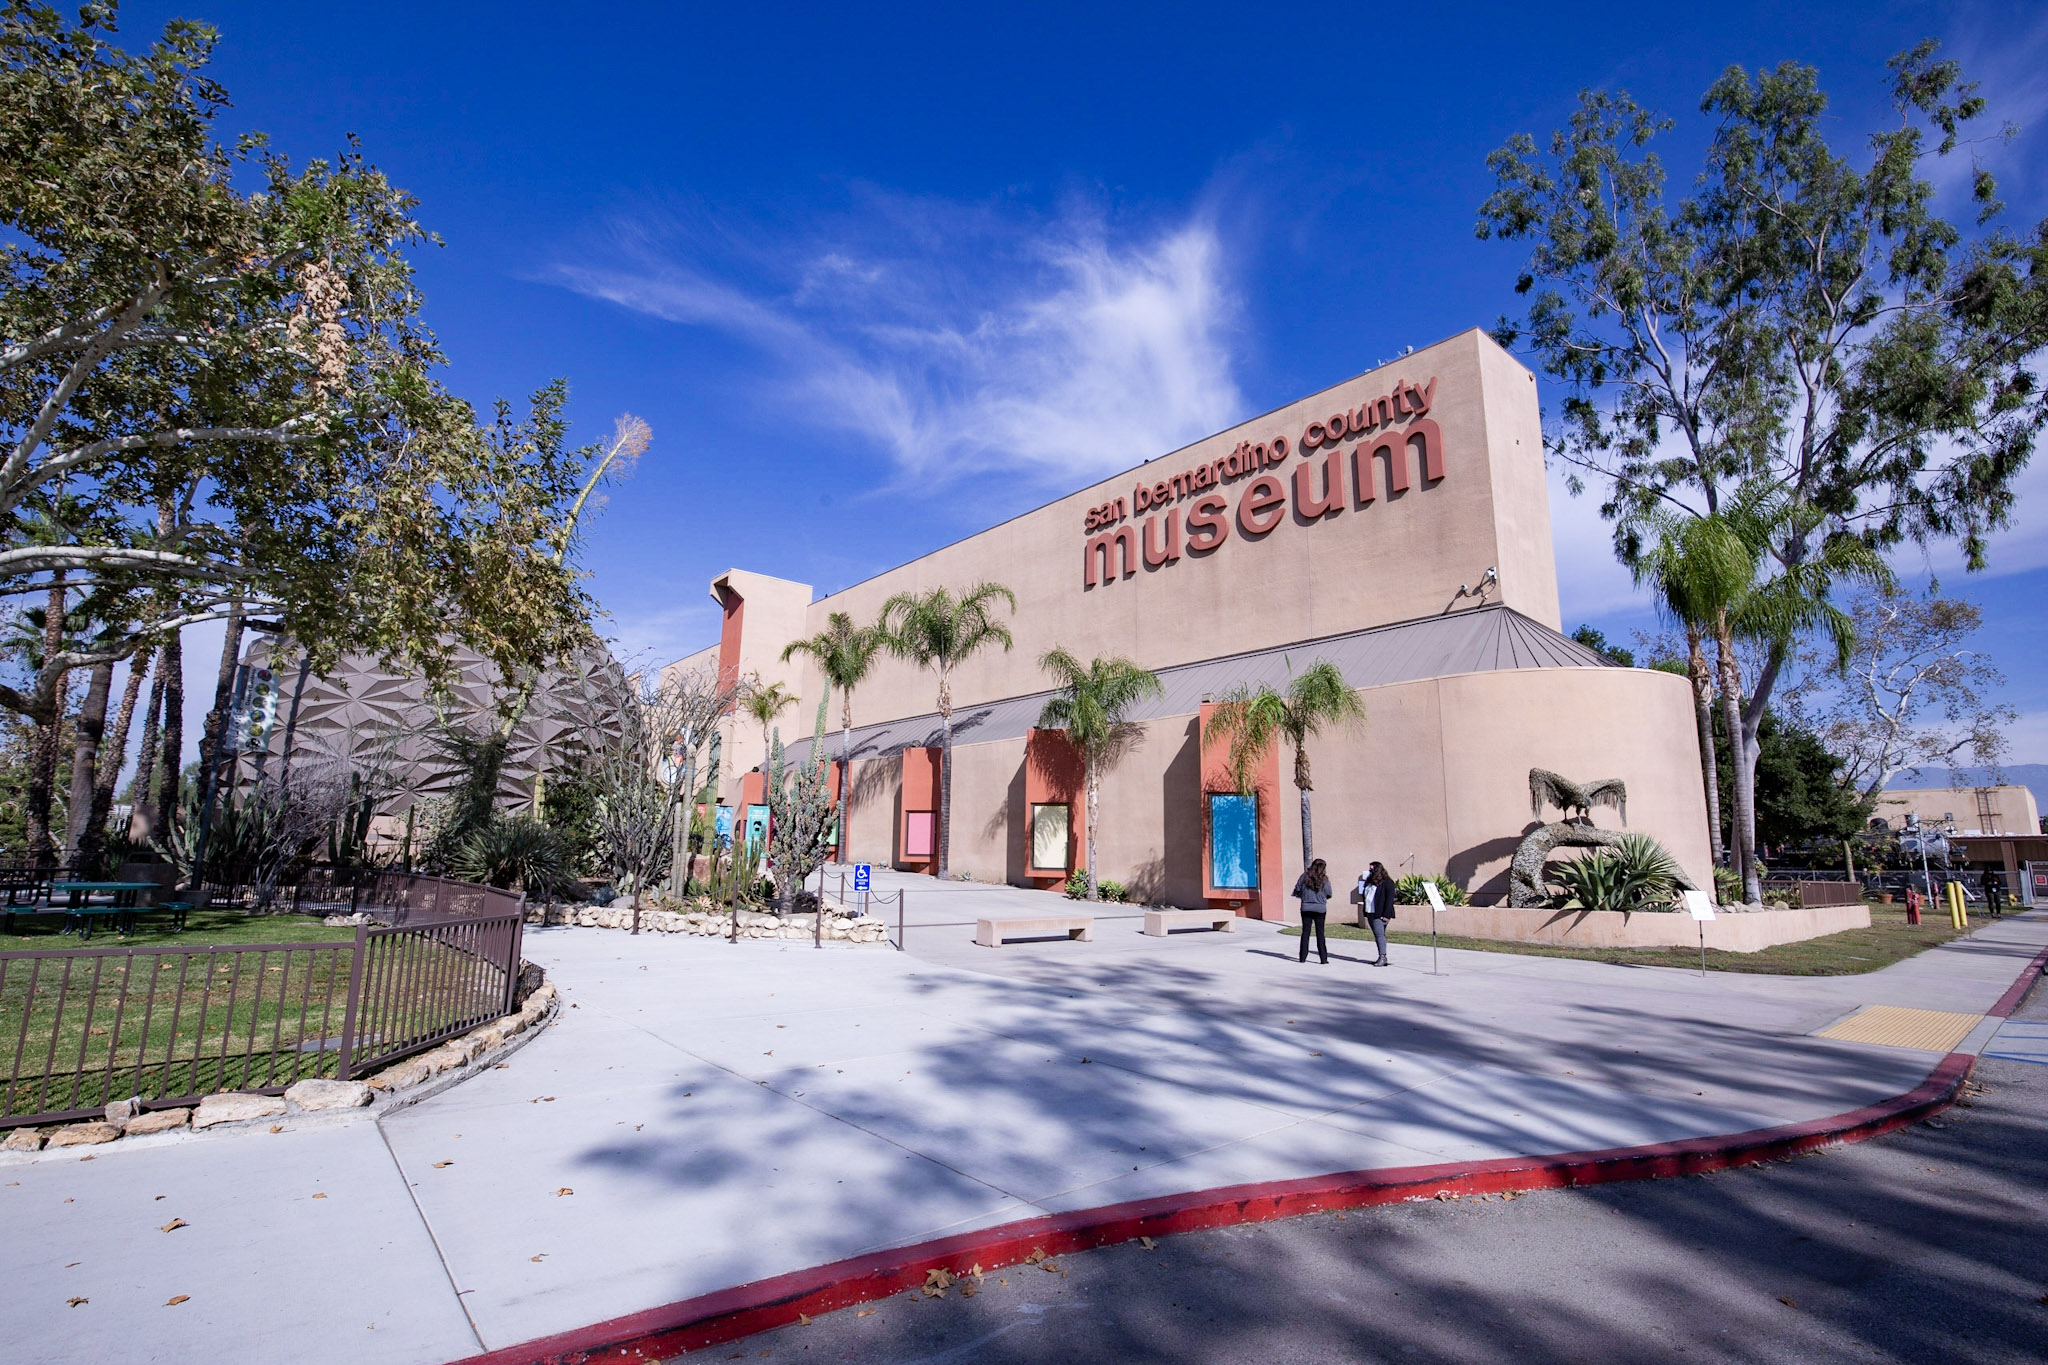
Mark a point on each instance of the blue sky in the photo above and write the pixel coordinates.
(932, 266)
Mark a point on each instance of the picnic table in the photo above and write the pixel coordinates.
(80, 909)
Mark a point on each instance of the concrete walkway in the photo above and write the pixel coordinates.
(708, 1114)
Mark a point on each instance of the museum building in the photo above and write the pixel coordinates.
(1396, 524)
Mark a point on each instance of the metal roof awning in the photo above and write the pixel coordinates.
(1480, 640)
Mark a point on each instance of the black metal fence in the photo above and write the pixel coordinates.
(80, 1028)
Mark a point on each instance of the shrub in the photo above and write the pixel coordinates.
(1077, 888)
(1634, 873)
(1727, 886)
(1408, 890)
(519, 851)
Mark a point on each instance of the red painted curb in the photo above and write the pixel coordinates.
(2017, 992)
(728, 1314)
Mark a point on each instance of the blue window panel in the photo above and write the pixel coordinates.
(1233, 842)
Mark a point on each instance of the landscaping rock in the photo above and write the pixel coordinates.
(84, 1135)
(320, 1093)
(443, 1058)
(407, 1073)
(157, 1121)
(120, 1111)
(235, 1107)
(23, 1140)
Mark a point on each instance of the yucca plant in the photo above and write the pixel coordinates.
(517, 851)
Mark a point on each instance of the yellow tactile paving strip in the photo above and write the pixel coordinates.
(1891, 1026)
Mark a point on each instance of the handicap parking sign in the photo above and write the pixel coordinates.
(860, 876)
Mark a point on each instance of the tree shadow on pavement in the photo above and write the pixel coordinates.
(1918, 1247)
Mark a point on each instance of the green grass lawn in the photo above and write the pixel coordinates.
(202, 927)
(79, 1030)
(1888, 939)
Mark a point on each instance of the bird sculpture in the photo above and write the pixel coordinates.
(1574, 799)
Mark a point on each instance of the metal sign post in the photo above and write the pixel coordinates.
(1701, 907)
(1436, 903)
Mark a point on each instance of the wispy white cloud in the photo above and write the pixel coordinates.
(1591, 582)
(956, 339)
(660, 635)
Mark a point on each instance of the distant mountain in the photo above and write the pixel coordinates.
(2031, 775)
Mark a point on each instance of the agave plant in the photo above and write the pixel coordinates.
(1635, 872)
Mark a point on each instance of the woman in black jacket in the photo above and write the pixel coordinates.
(1379, 907)
(1312, 888)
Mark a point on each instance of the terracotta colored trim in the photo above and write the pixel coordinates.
(729, 1314)
(2017, 992)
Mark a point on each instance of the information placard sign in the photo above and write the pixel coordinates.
(1699, 905)
(1436, 899)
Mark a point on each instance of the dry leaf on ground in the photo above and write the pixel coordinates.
(1150, 1245)
(173, 1225)
(174, 1300)
(865, 1312)
(439, 1164)
(1037, 1255)
(75, 1302)
(564, 1190)
(1787, 1302)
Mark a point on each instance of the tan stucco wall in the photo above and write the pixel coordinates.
(1439, 771)
(1397, 559)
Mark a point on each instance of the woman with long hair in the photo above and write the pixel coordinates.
(1378, 907)
(1312, 889)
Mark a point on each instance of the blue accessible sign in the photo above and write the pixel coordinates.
(860, 876)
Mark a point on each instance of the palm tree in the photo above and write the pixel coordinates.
(1093, 707)
(765, 704)
(939, 631)
(844, 652)
(1249, 719)
(1739, 585)
(1697, 568)
(1790, 600)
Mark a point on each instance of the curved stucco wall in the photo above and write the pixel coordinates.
(1440, 771)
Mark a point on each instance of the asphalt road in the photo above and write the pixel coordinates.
(1928, 1245)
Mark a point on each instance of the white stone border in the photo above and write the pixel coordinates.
(713, 923)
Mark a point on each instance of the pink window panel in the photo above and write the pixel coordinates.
(920, 833)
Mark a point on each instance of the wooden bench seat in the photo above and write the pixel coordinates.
(1160, 923)
(990, 933)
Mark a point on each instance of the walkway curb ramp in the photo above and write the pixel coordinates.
(729, 1314)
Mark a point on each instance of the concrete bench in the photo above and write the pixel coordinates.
(990, 933)
(1160, 923)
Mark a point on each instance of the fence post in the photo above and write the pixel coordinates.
(512, 967)
(355, 993)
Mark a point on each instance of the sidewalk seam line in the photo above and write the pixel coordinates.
(427, 1223)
